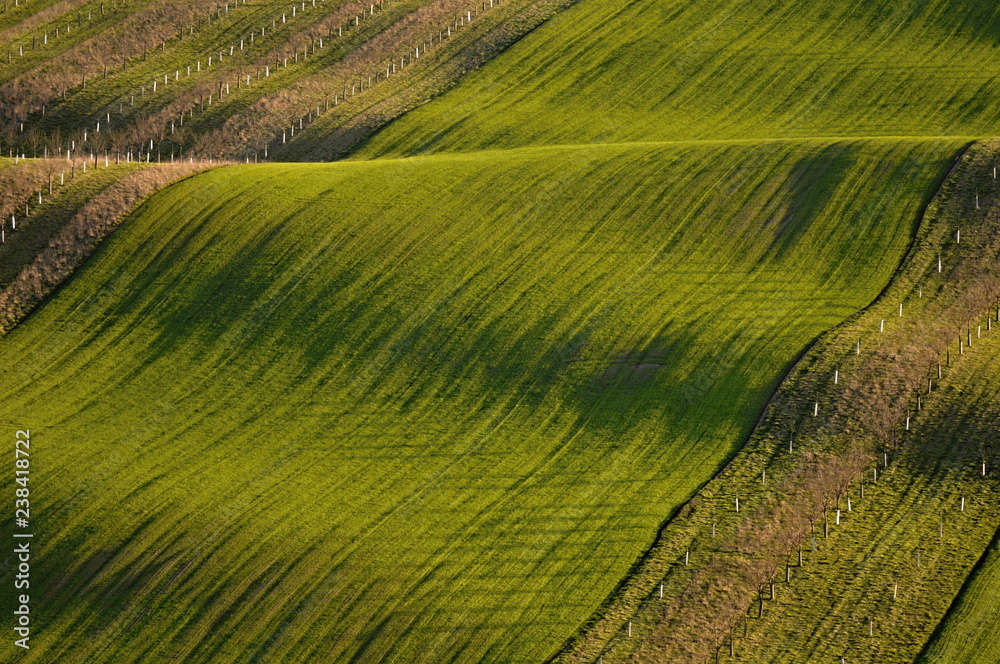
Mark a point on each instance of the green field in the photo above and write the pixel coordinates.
(969, 634)
(627, 71)
(319, 423)
(433, 404)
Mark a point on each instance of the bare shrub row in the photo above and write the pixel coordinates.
(97, 219)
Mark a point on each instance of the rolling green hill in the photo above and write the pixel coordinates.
(627, 71)
(426, 407)
(866, 493)
(969, 633)
(286, 416)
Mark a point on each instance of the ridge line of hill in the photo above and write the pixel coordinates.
(682, 143)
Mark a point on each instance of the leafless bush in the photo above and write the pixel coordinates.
(704, 617)
(40, 18)
(20, 183)
(127, 39)
(89, 226)
(265, 118)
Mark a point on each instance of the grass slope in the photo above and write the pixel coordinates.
(969, 633)
(286, 416)
(647, 70)
(901, 555)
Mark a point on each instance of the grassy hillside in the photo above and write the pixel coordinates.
(621, 70)
(969, 633)
(437, 408)
(901, 559)
(905, 529)
(286, 416)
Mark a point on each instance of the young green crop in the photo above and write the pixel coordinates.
(628, 71)
(422, 410)
(968, 635)
(434, 409)
(878, 585)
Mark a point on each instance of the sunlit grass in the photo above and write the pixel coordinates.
(422, 410)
